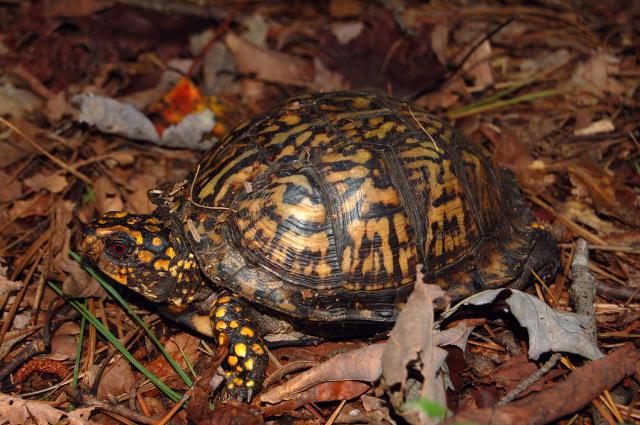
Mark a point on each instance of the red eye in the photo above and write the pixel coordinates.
(117, 249)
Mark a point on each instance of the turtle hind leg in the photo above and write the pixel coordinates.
(246, 363)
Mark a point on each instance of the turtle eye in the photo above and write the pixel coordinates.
(117, 248)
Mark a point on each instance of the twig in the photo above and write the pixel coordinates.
(566, 397)
(86, 399)
(533, 378)
(467, 55)
(53, 158)
(209, 207)
(583, 289)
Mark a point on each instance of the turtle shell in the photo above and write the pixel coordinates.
(323, 207)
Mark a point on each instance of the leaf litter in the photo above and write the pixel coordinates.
(553, 96)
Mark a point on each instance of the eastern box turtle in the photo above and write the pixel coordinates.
(317, 213)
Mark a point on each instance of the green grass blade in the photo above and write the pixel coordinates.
(104, 331)
(116, 295)
(466, 111)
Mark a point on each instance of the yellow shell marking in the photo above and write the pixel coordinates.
(245, 331)
(221, 325)
(170, 252)
(234, 324)
(248, 364)
(156, 241)
(220, 312)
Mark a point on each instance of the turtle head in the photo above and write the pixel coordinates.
(145, 253)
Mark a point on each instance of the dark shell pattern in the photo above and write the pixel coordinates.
(323, 207)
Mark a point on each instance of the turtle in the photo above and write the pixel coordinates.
(317, 215)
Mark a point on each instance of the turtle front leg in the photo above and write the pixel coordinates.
(246, 363)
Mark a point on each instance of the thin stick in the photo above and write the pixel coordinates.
(435, 145)
(335, 413)
(53, 158)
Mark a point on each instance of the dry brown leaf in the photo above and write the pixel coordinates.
(38, 206)
(116, 380)
(440, 41)
(362, 364)
(610, 196)
(54, 183)
(18, 411)
(345, 8)
(579, 212)
(512, 153)
(138, 199)
(269, 65)
(64, 340)
(7, 286)
(9, 191)
(412, 345)
(345, 32)
(478, 67)
(327, 391)
(596, 127)
(326, 80)
(594, 75)
(107, 196)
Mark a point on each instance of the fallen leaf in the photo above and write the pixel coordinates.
(478, 67)
(601, 126)
(54, 183)
(107, 196)
(327, 391)
(610, 196)
(138, 199)
(345, 8)
(512, 153)
(549, 329)
(65, 339)
(594, 75)
(231, 412)
(117, 379)
(362, 364)
(440, 41)
(18, 411)
(577, 211)
(269, 65)
(17, 102)
(411, 345)
(11, 189)
(345, 32)
(327, 80)
(40, 206)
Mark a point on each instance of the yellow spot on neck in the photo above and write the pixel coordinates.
(145, 256)
(161, 264)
